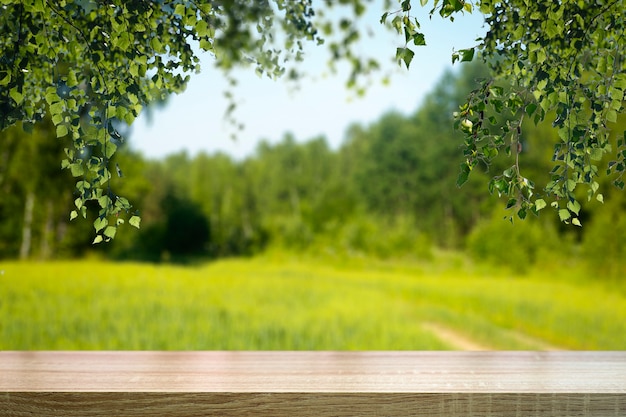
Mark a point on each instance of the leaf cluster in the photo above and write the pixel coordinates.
(564, 63)
(409, 27)
(92, 66)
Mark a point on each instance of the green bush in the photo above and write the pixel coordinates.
(603, 244)
(518, 245)
(290, 232)
(364, 235)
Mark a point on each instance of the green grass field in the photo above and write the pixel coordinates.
(276, 302)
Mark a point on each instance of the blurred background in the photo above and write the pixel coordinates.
(388, 189)
(331, 221)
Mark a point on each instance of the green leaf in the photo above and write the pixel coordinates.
(155, 43)
(552, 28)
(180, 10)
(573, 206)
(57, 109)
(97, 240)
(62, 131)
(51, 96)
(16, 95)
(38, 6)
(122, 42)
(73, 215)
(464, 55)
(397, 23)
(512, 202)
(104, 201)
(467, 55)
(530, 109)
(576, 222)
(596, 154)
(540, 204)
(611, 116)
(100, 223)
(463, 175)
(571, 185)
(5, 80)
(77, 169)
(122, 203)
(135, 221)
(202, 28)
(110, 149)
(110, 232)
(406, 55)
(564, 214)
(418, 39)
(57, 118)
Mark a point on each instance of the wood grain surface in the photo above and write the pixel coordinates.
(451, 384)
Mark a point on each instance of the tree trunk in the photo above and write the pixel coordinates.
(295, 202)
(47, 235)
(27, 228)
(4, 159)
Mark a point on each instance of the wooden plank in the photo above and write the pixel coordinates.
(451, 384)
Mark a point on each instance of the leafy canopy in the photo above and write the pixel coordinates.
(93, 65)
(562, 61)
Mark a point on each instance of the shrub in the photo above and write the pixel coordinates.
(603, 245)
(363, 235)
(518, 246)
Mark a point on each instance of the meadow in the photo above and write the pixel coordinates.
(286, 302)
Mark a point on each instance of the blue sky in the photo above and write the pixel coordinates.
(194, 120)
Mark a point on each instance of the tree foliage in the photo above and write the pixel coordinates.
(92, 66)
(563, 62)
(371, 197)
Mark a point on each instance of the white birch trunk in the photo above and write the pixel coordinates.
(27, 227)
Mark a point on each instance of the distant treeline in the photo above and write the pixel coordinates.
(389, 190)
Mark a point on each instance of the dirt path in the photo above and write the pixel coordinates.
(453, 338)
(459, 341)
(537, 344)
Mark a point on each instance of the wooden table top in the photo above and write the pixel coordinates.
(313, 372)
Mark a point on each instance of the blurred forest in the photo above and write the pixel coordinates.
(388, 191)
